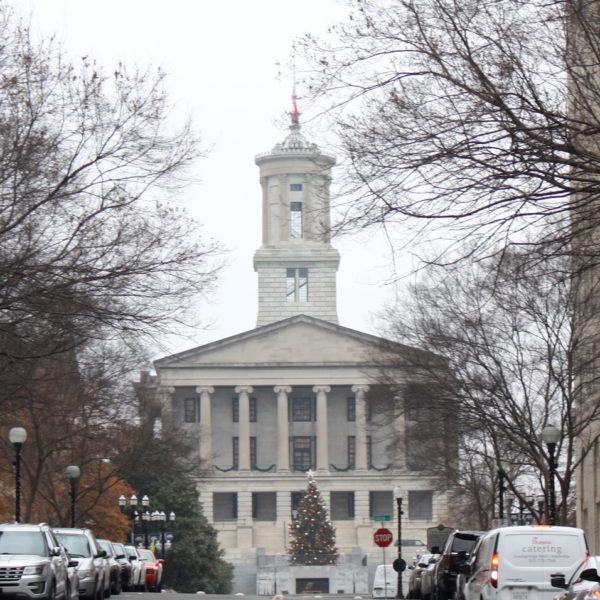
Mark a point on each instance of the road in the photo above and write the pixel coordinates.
(168, 595)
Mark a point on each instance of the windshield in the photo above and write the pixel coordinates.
(23, 542)
(76, 545)
(146, 555)
(105, 545)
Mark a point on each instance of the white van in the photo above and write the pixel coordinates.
(516, 562)
(385, 583)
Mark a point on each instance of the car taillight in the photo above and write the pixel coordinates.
(494, 570)
(596, 594)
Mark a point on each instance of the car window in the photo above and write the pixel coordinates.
(146, 555)
(23, 542)
(76, 545)
(577, 575)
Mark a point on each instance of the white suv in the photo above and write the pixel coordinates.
(32, 563)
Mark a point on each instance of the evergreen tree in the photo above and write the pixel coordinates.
(313, 535)
(194, 562)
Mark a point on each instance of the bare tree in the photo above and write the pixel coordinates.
(91, 244)
(464, 117)
(505, 329)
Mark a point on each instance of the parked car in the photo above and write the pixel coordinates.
(518, 562)
(114, 568)
(82, 547)
(137, 583)
(125, 565)
(153, 569)
(456, 552)
(425, 561)
(33, 564)
(584, 583)
(385, 582)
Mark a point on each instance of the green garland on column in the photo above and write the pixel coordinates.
(312, 534)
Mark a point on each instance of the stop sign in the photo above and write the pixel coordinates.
(383, 537)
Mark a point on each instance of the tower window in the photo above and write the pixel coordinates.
(295, 187)
(296, 220)
(297, 285)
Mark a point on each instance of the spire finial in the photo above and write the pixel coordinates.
(295, 113)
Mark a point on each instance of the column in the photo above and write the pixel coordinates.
(360, 392)
(166, 411)
(322, 427)
(243, 392)
(283, 427)
(205, 427)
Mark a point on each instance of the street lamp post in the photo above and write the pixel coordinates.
(550, 436)
(73, 473)
(502, 477)
(161, 518)
(17, 437)
(398, 494)
(133, 500)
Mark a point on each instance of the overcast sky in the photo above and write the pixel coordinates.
(221, 58)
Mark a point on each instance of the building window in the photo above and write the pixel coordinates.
(296, 498)
(420, 505)
(351, 451)
(225, 506)
(303, 452)
(296, 221)
(295, 187)
(351, 408)
(342, 506)
(235, 410)
(297, 284)
(302, 409)
(264, 506)
(191, 412)
(381, 503)
(236, 452)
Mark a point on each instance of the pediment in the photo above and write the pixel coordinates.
(297, 340)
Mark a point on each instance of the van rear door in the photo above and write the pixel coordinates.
(528, 556)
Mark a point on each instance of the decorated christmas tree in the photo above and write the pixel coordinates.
(312, 534)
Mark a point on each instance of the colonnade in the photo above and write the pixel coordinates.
(282, 393)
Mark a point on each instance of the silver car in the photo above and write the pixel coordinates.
(33, 564)
(82, 547)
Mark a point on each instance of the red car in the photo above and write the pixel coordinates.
(154, 568)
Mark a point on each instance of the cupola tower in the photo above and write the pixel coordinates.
(296, 263)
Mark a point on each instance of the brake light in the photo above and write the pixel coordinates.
(597, 594)
(494, 570)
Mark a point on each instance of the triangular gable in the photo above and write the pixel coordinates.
(297, 340)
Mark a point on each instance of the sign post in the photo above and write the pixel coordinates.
(383, 538)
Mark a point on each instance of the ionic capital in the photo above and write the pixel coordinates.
(321, 388)
(285, 389)
(243, 389)
(205, 389)
(360, 389)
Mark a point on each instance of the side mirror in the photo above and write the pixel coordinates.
(73, 563)
(56, 551)
(120, 556)
(101, 554)
(422, 565)
(432, 561)
(161, 561)
(557, 580)
(590, 575)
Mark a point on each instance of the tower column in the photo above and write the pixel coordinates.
(243, 392)
(205, 427)
(322, 427)
(283, 427)
(361, 426)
